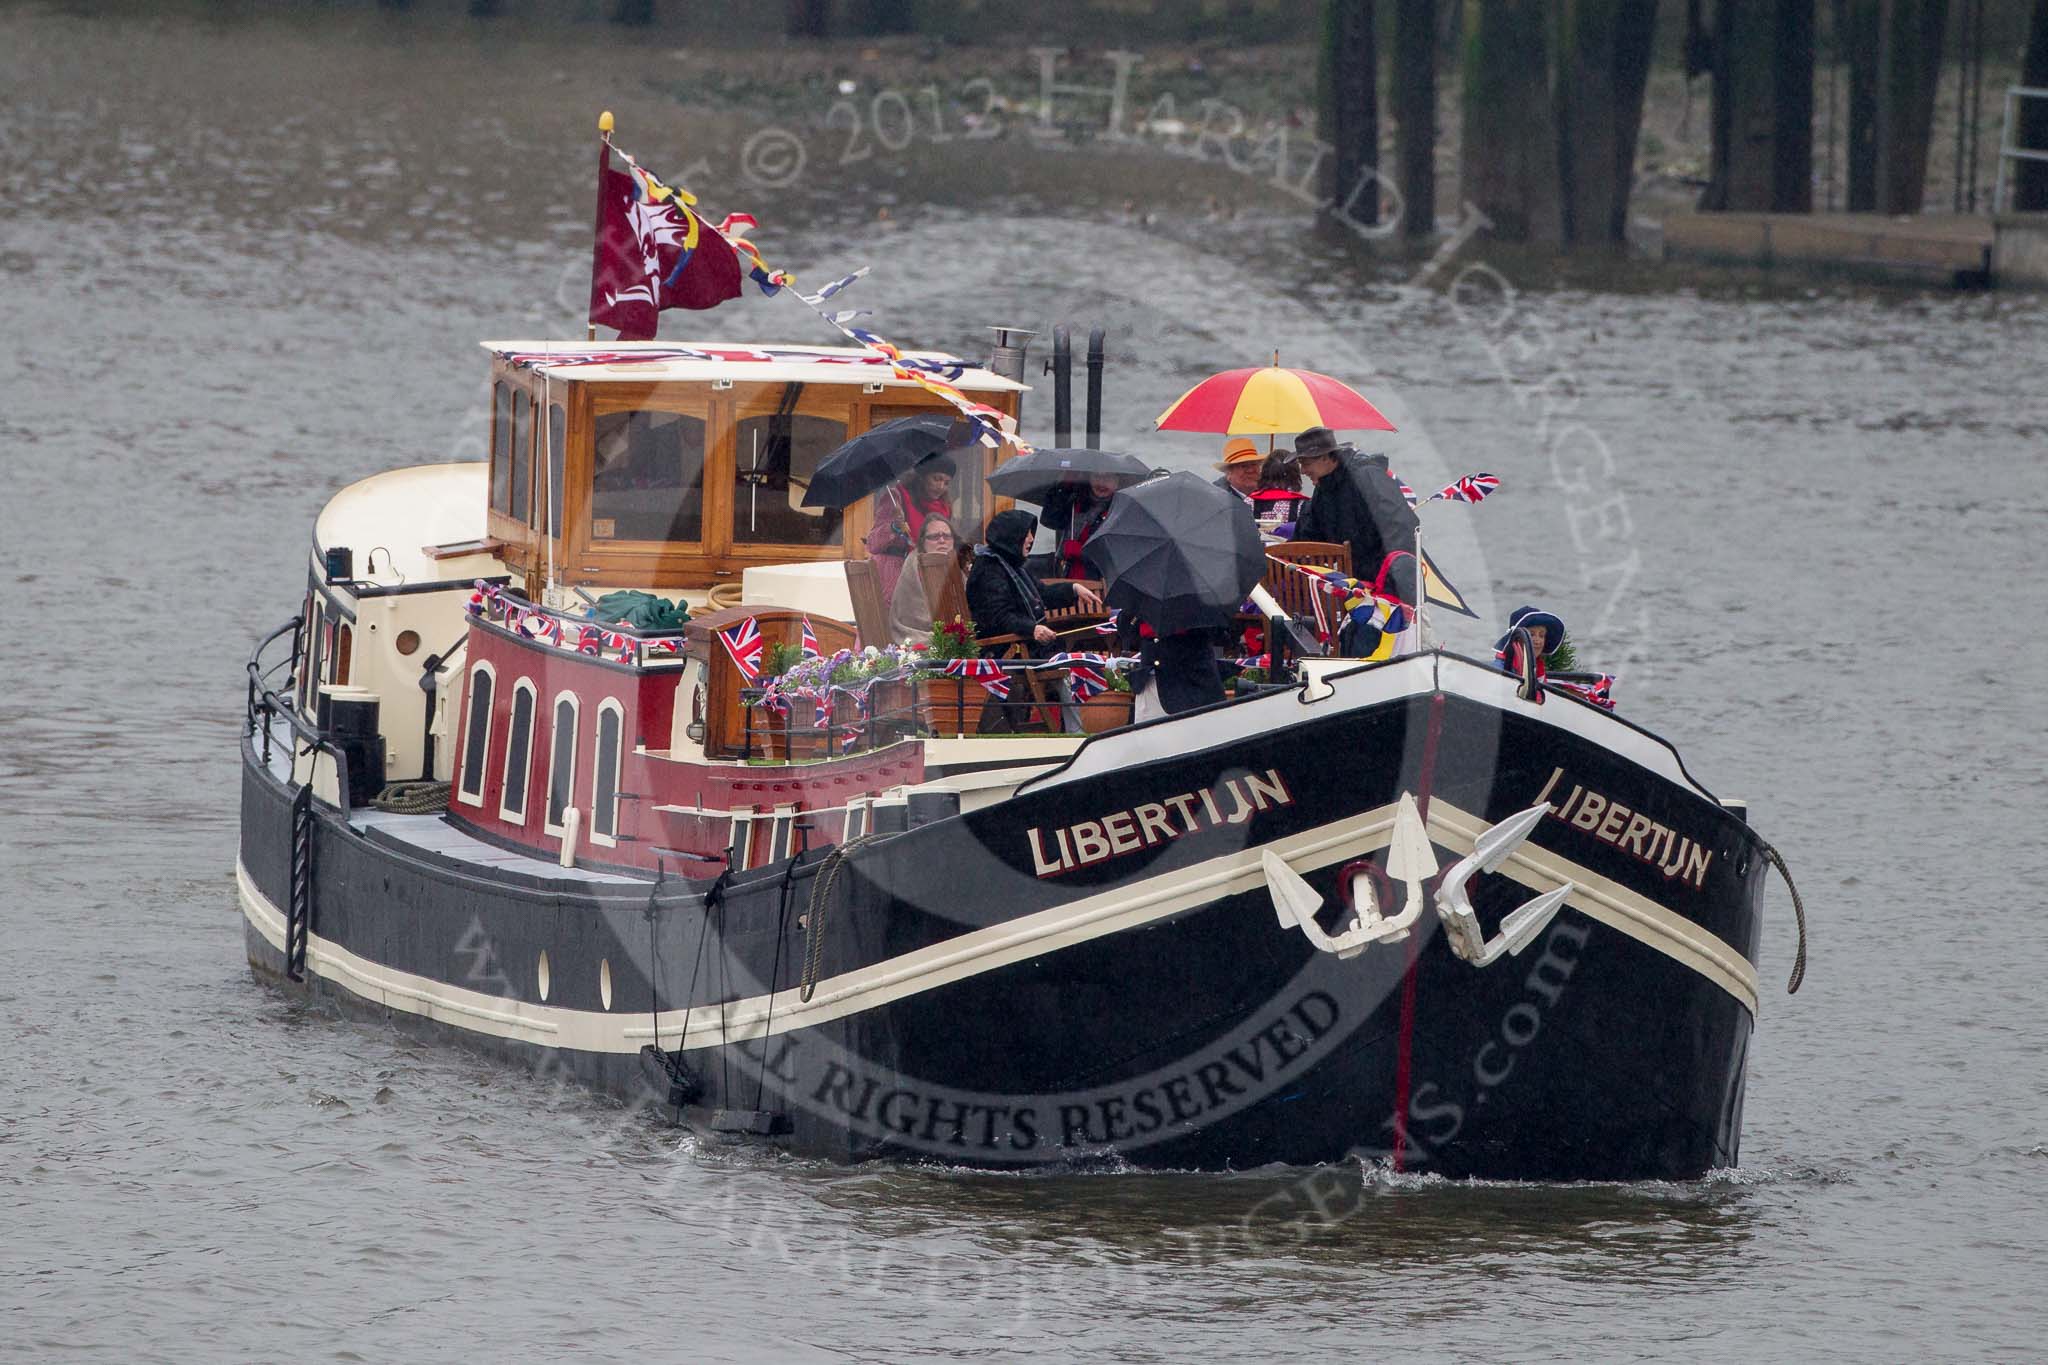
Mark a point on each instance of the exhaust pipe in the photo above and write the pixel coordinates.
(1007, 359)
(1061, 367)
(1095, 389)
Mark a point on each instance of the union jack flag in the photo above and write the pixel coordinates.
(626, 646)
(542, 627)
(1084, 673)
(1600, 691)
(987, 672)
(1108, 627)
(743, 642)
(811, 650)
(589, 640)
(1471, 488)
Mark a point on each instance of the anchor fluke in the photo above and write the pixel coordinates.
(1521, 926)
(1525, 924)
(1295, 902)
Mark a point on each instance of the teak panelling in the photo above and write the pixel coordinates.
(580, 560)
(725, 715)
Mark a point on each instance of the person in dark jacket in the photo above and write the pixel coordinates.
(1004, 598)
(1175, 673)
(1356, 503)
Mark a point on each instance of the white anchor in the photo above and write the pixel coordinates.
(1520, 927)
(1411, 860)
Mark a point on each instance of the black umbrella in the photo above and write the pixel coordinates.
(1030, 477)
(881, 455)
(1177, 552)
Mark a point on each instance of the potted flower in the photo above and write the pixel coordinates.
(1111, 709)
(781, 712)
(1248, 682)
(944, 700)
(892, 693)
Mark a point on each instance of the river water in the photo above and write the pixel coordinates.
(244, 262)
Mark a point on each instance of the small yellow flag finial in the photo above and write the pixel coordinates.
(604, 122)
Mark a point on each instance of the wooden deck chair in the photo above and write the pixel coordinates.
(870, 613)
(945, 587)
(1293, 591)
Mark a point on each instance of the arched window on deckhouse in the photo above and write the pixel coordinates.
(604, 776)
(476, 734)
(518, 753)
(561, 761)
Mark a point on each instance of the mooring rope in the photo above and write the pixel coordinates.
(824, 890)
(1798, 913)
(412, 798)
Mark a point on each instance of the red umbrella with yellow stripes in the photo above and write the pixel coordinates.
(1269, 400)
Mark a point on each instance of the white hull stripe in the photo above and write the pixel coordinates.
(1613, 904)
(982, 950)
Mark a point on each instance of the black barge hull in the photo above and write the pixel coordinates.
(1092, 971)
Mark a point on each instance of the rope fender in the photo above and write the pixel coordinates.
(1777, 860)
(824, 891)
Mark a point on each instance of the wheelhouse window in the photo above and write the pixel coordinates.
(648, 481)
(344, 651)
(558, 431)
(604, 780)
(518, 753)
(476, 734)
(522, 456)
(501, 446)
(561, 761)
(776, 450)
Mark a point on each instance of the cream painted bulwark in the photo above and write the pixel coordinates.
(982, 950)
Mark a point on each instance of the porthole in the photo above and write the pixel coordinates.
(541, 974)
(604, 982)
(407, 641)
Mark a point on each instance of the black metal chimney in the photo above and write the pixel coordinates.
(1061, 367)
(1095, 389)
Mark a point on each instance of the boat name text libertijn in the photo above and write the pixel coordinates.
(1232, 802)
(1671, 853)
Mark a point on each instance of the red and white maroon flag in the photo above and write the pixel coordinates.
(652, 252)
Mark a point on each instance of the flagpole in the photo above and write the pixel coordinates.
(604, 132)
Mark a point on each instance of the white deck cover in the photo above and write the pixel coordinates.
(739, 361)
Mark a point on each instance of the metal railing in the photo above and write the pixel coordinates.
(268, 704)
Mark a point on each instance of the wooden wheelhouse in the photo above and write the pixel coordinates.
(681, 470)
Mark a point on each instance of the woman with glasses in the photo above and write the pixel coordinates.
(910, 611)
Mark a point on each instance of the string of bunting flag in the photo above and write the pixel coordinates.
(654, 251)
(1472, 488)
(577, 635)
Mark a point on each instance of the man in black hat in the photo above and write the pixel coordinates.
(1356, 502)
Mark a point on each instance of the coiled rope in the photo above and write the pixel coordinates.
(412, 798)
(824, 891)
(1798, 913)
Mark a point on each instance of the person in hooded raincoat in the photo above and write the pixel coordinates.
(1005, 599)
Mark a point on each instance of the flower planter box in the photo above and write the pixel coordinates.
(893, 710)
(1106, 711)
(786, 738)
(949, 706)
